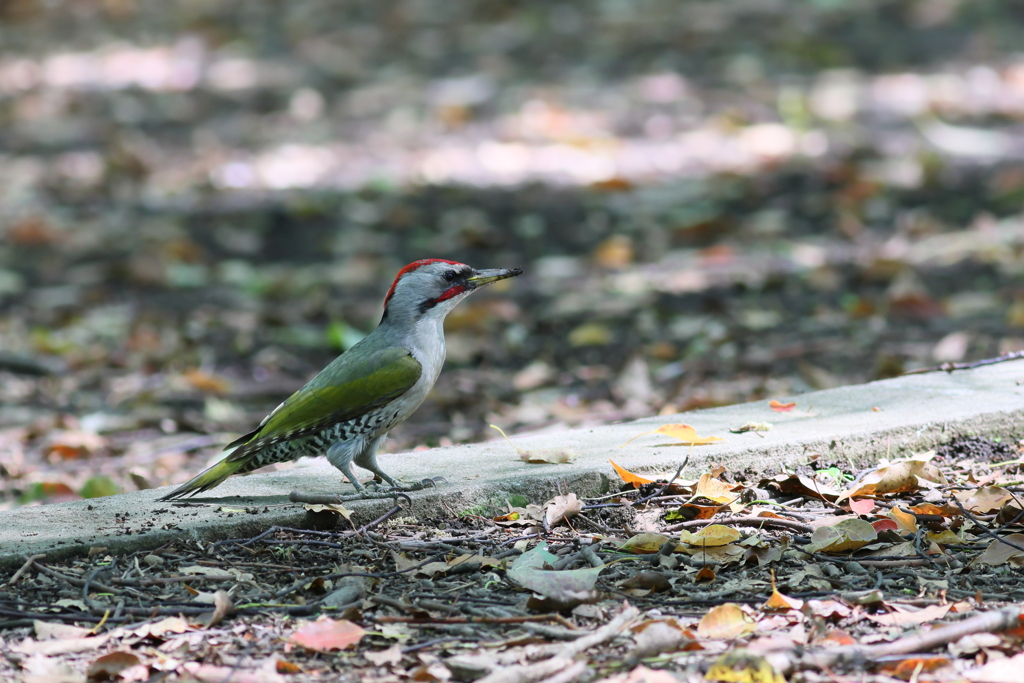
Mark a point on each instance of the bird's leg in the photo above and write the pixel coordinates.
(367, 459)
(341, 454)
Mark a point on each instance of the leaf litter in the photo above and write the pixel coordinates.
(596, 588)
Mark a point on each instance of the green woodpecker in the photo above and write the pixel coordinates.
(346, 411)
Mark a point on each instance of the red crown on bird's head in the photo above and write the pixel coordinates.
(411, 267)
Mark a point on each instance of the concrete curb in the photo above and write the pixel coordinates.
(855, 425)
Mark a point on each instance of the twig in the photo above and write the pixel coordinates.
(997, 620)
(679, 470)
(951, 367)
(746, 521)
(29, 561)
(986, 530)
(471, 620)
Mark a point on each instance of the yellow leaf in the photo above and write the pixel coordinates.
(685, 433)
(646, 543)
(710, 536)
(715, 489)
(906, 521)
(725, 622)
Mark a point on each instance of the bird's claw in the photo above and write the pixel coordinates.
(337, 499)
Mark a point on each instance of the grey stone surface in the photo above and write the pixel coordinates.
(854, 425)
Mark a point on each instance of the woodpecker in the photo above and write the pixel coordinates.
(346, 411)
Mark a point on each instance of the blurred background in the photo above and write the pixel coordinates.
(202, 202)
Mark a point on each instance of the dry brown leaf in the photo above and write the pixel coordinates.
(112, 666)
(752, 427)
(207, 382)
(562, 507)
(985, 499)
(898, 477)
(222, 606)
(538, 456)
(999, 553)
(46, 630)
(903, 616)
(59, 647)
(388, 657)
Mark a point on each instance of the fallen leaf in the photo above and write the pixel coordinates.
(207, 382)
(710, 536)
(646, 543)
(742, 666)
(907, 522)
(537, 456)
(567, 587)
(752, 427)
(910, 669)
(283, 666)
(898, 477)
(903, 616)
(59, 647)
(716, 490)
(222, 606)
(562, 507)
(801, 485)
(780, 407)
(778, 601)
(109, 666)
(848, 534)
(47, 630)
(649, 581)
(705, 575)
(999, 553)
(1006, 670)
(327, 634)
(725, 622)
(985, 499)
(388, 657)
(656, 636)
(159, 628)
(682, 432)
(329, 507)
(862, 506)
(74, 443)
(630, 478)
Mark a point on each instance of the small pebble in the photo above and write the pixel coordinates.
(153, 560)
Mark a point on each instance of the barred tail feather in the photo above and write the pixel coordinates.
(208, 479)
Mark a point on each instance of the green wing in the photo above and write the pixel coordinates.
(356, 383)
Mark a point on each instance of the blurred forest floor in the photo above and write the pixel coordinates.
(202, 203)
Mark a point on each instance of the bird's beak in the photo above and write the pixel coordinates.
(486, 277)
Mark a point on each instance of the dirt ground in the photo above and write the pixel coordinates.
(201, 204)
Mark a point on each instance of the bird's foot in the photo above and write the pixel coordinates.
(393, 486)
(338, 499)
(420, 485)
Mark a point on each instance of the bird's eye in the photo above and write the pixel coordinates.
(450, 275)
